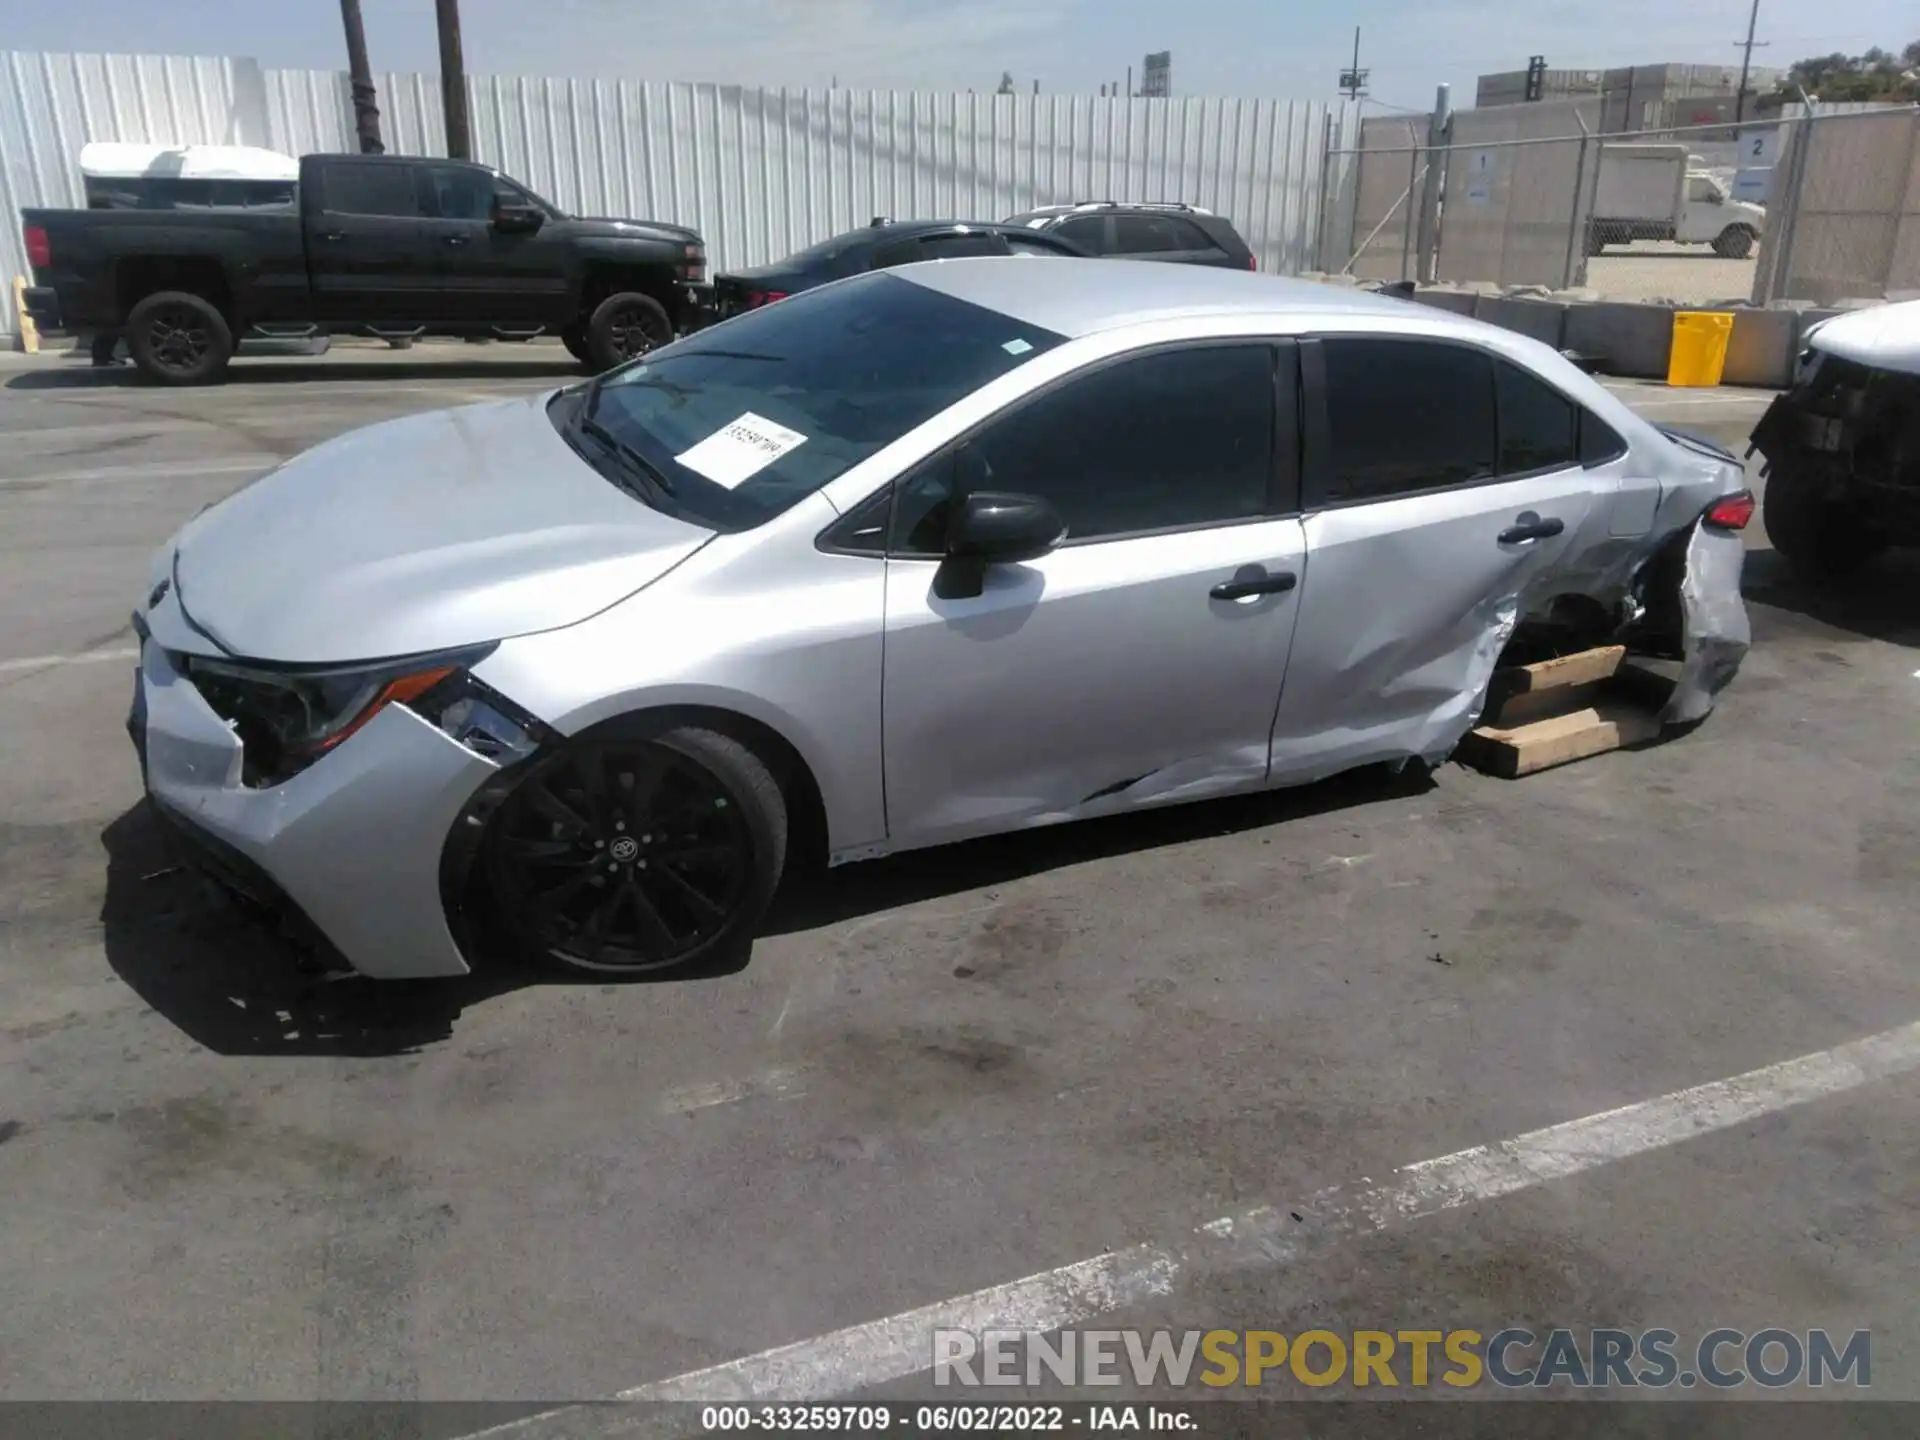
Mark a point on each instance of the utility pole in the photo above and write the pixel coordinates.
(1354, 81)
(366, 113)
(453, 80)
(1746, 62)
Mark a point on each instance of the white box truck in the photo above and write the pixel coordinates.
(1656, 192)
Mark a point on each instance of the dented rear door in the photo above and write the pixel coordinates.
(1420, 552)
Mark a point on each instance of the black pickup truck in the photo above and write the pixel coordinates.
(380, 245)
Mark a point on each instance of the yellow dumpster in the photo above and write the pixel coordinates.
(1699, 352)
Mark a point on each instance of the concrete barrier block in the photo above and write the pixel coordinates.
(1542, 320)
(1761, 349)
(1457, 302)
(1625, 339)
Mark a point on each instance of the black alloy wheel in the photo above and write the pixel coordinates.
(624, 327)
(629, 856)
(179, 339)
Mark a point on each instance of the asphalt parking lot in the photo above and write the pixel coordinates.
(941, 1073)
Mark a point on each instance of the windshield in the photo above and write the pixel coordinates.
(746, 419)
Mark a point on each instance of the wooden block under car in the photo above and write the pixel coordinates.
(1565, 709)
(1558, 739)
(1524, 693)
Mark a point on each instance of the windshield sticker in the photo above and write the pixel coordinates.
(1016, 347)
(735, 453)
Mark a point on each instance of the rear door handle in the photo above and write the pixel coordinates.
(1531, 527)
(1277, 584)
(333, 234)
(456, 239)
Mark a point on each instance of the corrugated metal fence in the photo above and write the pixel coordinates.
(760, 173)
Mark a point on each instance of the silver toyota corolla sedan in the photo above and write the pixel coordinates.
(955, 549)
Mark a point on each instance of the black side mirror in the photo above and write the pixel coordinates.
(516, 219)
(994, 528)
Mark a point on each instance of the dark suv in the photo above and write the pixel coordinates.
(1184, 234)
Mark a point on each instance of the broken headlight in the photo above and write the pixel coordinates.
(482, 719)
(286, 717)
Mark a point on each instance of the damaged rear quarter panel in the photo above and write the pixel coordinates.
(1406, 606)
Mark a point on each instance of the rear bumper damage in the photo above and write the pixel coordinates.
(1714, 631)
(1684, 605)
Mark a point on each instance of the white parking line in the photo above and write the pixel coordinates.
(49, 662)
(844, 1362)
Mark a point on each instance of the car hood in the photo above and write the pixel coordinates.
(446, 529)
(1884, 337)
(614, 225)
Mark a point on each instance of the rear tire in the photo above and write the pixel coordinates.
(624, 327)
(623, 855)
(179, 339)
(1733, 243)
(1821, 539)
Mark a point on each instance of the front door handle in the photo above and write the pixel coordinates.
(456, 239)
(1531, 527)
(1277, 584)
(333, 234)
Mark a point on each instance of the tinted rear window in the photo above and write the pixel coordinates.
(351, 189)
(1406, 416)
(849, 369)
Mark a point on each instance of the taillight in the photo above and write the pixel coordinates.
(696, 263)
(1731, 512)
(757, 298)
(39, 248)
(1252, 264)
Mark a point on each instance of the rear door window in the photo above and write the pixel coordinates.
(1405, 416)
(1089, 232)
(350, 189)
(1146, 235)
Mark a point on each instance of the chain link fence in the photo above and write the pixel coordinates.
(1817, 206)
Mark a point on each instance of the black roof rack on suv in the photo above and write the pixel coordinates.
(1179, 205)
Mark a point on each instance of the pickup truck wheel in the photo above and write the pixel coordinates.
(625, 326)
(574, 337)
(1733, 243)
(179, 339)
(1821, 538)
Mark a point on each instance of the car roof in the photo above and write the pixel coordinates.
(1075, 297)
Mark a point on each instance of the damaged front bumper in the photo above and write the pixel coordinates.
(351, 846)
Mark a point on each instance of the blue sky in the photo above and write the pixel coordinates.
(1232, 47)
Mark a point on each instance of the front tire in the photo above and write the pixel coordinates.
(1733, 243)
(179, 339)
(626, 855)
(624, 327)
(1822, 539)
(574, 337)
